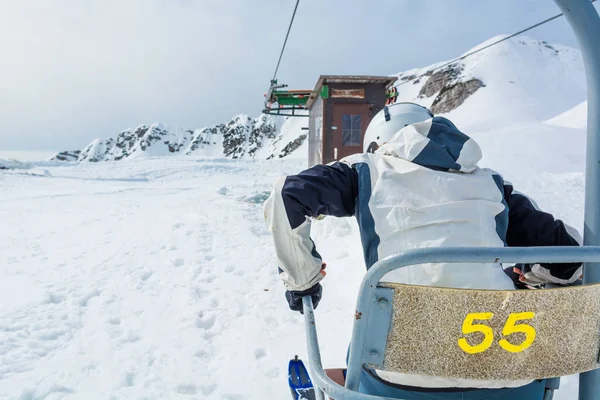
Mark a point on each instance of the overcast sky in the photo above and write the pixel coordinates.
(74, 70)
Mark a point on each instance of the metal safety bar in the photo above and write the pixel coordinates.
(366, 293)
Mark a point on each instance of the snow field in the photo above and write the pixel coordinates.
(150, 283)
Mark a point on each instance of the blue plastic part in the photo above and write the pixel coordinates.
(367, 299)
(298, 377)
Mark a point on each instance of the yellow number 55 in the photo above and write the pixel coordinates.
(510, 327)
(468, 327)
(488, 334)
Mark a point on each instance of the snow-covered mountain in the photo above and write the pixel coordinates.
(517, 81)
(12, 164)
(242, 137)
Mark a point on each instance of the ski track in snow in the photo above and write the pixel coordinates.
(157, 278)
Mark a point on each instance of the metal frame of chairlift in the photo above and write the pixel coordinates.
(288, 101)
(585, 23)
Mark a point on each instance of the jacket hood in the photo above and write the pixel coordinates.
(435, 143)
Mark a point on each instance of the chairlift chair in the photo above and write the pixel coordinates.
(285, 102)
(407, 328)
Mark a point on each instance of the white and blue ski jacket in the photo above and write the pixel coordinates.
(421, 189)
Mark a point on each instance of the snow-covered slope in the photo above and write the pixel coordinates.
(573, 118)
(12, 164)
(523, 80)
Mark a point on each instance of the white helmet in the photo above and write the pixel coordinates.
(387, 122)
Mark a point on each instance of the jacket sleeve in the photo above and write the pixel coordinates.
(320, 190)
(529, 226)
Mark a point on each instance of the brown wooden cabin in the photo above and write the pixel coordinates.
(340, 108)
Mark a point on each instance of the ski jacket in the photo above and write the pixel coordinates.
(423, 188)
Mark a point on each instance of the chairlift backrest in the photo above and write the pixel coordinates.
(486, 334)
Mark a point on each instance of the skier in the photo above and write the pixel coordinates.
(417, 184)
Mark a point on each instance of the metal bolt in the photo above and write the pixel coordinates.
(374, 353)
(382, 302)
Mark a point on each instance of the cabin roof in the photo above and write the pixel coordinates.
(327, 79)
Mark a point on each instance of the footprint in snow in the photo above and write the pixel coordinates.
(128, 379)
(205, 321)
(208, 278)
(130, 337)
(85, 299)
(203, 355)
(145, 275)
(256, 198)
(272, 372)
(190, 388)
(259, 353)
(177, 262)
(53, 298)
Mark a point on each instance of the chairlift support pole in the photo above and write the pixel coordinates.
(585, 23)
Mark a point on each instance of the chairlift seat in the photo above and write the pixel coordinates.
(489, 335)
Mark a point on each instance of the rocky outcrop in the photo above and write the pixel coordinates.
(439, 80)
(453, 96)
(290, 147)
(263, 130)
(235, 136)
(69, 155)
(205, 137)
(98, 150)
(450, 88)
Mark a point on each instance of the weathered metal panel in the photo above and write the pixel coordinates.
(348, 93)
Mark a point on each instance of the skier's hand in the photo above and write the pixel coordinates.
(294, 297)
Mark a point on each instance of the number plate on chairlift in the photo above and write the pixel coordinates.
(493, 334)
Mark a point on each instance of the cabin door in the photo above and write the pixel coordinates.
(348, 129)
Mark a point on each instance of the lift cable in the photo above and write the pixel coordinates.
(286, 38)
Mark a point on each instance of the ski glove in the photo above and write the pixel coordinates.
(294, 297)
